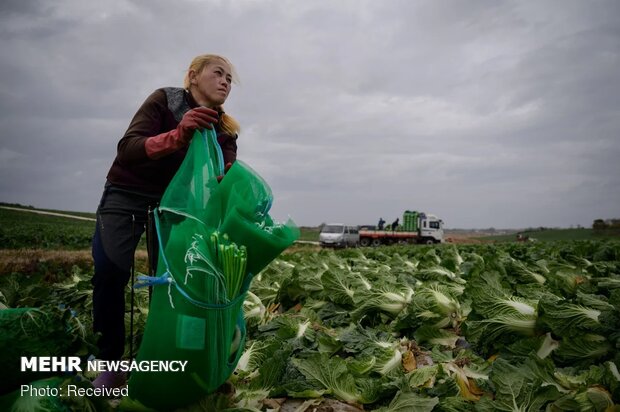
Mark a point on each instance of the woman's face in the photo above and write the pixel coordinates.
(211, 86)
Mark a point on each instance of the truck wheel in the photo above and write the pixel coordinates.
(429, 241)
(364, 242)
(376, 242)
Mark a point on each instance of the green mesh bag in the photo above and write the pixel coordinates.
(213, 238)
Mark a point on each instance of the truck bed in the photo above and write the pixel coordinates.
(387, 234)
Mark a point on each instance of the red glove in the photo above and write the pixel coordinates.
(226, 169)
(169, 142)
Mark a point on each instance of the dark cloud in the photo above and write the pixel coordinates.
(17, 8)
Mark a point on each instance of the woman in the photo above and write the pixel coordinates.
(148, 156)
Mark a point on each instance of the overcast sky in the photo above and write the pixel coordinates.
(490, 113)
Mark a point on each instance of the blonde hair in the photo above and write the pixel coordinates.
(227, 123)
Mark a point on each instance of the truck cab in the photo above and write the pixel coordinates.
(339, 235)
(431, 229)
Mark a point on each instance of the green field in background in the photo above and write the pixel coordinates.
(30, 230)
(551, 235)
(24, 229)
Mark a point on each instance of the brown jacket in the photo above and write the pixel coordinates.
(161, 112)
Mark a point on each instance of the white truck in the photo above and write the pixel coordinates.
(416, 227)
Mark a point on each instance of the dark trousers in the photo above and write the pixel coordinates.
(121, 220)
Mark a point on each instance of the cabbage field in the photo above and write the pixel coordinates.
(486, 327)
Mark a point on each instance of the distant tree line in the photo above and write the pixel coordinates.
(600, 225)
(16, 205)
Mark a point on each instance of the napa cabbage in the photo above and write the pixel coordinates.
(410, 401)
(428, 334)
(564, 318)
(517, 389)
(391, 301)
(519, 271)
(332, 376)
(255, 355)
(439, 273)
(498, 326)
(339, 286)
(253, 307)
(16, 402)
(589, 399)
(436, 305)
(582, 349)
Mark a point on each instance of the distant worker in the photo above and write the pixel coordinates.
(380, 224)
(395, 224)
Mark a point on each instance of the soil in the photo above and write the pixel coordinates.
(463, 238)
(50, 262)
